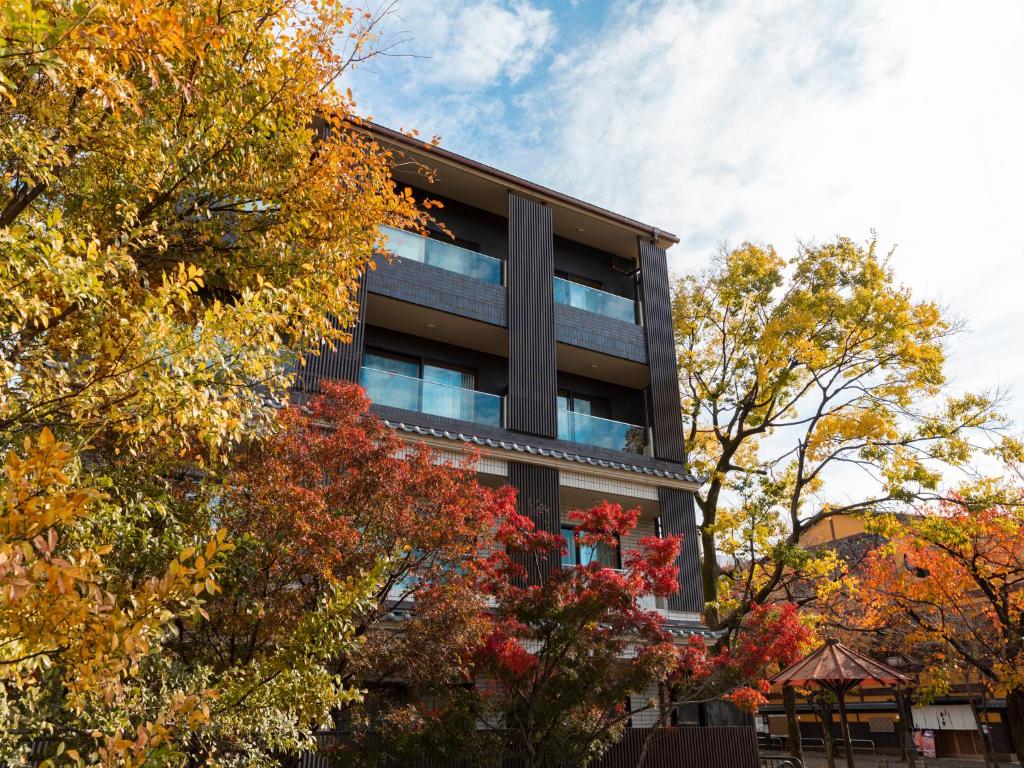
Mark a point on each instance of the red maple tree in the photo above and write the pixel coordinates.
(562, 657)
(335, 495)
(550, 667)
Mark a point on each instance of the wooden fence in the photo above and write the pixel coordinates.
(684, 747)
(719, 746)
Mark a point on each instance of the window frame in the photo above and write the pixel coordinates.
(422, 361)
(573, 548)
(571, 397)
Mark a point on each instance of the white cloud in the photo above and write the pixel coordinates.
(770, 120)
(494, 41)
(775, 121)
(470, 45)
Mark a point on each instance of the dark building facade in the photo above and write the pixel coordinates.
(540, 336)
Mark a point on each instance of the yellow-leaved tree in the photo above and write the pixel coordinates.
(185, 206)
(64, 619)
(812, 387)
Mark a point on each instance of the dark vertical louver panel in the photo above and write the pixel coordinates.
(713, 746)
(531, 319)
(537, 498)
(343, 362)
(667, 419)
(684, 747)
(678, 516)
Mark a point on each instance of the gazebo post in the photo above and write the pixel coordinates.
(844, 726)
(838, 669)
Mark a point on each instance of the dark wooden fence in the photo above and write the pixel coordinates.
(688, 747)
(685, 747)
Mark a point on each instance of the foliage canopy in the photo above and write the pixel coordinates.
(795, 372)
(175, 232)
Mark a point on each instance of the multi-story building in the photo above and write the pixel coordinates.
(537, 331)
(541, 336)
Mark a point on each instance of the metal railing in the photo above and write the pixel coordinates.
(437, 253)
(862, 745)
(857, 745)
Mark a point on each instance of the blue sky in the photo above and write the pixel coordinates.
(754, 120)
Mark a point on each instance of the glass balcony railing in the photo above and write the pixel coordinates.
(602, 433)
(407, 393)
(437, 253)
(593, 300)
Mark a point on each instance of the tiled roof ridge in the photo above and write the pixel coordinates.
(675, 628)
(536, 450)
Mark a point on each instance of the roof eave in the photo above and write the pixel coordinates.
(660, 237)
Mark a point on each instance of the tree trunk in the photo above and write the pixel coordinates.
(796, 747)
(709, 576)
(823, 710)
(986, 742)
(844, 728)
(906, 731)
(1015, 720)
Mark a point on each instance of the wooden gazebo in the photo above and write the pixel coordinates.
(839, 669)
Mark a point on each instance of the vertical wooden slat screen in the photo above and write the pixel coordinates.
(343, 362)
(532, 379)
(686, 747)
(538, 498)
(678, 516)
(666, 418)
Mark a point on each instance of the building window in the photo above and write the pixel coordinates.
(686, 714)
(428, 386)
(585, 404)
(579, 279)
(419, 368)
(578, 553)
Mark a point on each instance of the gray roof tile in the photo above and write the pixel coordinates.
(539, 451)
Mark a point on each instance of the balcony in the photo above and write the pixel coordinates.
(601, 433)
(437, 253)
(397, 391)
(593, 300)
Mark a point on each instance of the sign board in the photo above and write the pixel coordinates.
(925, 743)
(945, 717)
(777, 725)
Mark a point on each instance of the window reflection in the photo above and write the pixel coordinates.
(578, 553)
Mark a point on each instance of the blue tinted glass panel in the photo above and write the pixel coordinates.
(601, 433)
(569, 558)
(405, 245)
(437, 253)
(391, 389)
(594, 300)
(391, 364)
(414, 394)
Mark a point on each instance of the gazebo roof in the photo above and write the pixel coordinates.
(835, 665)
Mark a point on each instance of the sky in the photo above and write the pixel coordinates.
(751, 120)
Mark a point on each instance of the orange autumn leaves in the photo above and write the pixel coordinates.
(175, 234)
(174, 229)
(59, 607)
(952, 579)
